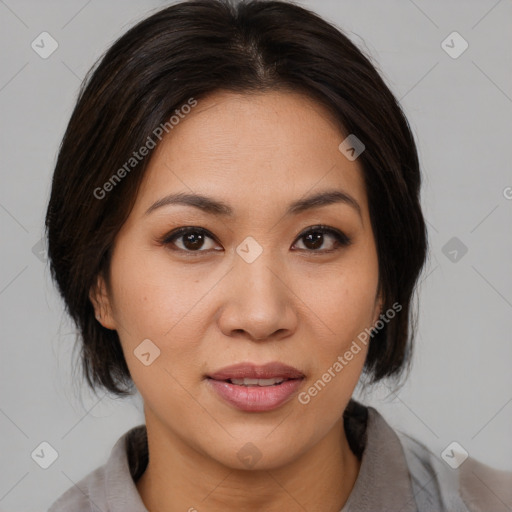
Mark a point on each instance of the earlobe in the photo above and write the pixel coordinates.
(100, 300)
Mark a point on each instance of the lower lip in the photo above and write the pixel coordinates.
(256, 398)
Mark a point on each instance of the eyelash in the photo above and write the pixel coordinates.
(341, 240)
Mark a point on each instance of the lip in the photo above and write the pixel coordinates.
(256, 398)
(252, 371)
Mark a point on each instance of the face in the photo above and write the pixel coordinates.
(259, 279)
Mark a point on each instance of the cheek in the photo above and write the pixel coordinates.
(345, 298)
(337, 358)
(161, 305)
(345, 301)
(151, 296)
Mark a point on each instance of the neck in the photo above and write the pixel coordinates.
(178, 478)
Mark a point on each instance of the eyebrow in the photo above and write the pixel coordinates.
(216, 207)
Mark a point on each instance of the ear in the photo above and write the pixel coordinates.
(101, 302)
(379, 304)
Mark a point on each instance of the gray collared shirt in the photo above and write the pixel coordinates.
(397, 474)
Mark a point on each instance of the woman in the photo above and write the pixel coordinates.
(235, 228)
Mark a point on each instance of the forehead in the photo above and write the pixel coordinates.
(252, 149)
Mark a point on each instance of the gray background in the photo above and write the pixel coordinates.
(460, 388)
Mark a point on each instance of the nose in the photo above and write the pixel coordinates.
(258, 303)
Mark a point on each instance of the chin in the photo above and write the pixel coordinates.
(256, 453)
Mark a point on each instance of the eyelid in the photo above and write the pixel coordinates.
(176, 233)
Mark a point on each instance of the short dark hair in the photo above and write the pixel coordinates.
(190, 50)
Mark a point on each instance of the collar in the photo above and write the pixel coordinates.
(383, 482)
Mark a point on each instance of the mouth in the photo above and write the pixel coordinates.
(254, 388)
(249, 374)
(256, 382)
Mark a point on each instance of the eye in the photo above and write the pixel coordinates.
(315, 237)
(192, 240)
(189, 239)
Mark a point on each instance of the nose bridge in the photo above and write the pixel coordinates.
(257, 301)
(259, 283)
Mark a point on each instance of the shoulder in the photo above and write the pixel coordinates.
(111, 486)
(469, 486)
(78, 497)
(395, 464)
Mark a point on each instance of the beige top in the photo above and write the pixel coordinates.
(397, 474)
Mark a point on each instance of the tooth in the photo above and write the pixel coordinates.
(256, 382)
(268, 382)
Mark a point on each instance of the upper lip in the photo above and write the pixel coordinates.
(252, 371)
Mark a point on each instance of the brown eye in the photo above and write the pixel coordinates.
(315, 237)
(189, 239)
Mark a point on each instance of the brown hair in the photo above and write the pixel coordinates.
(192, 49)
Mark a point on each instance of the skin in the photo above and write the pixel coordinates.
(213, 309)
